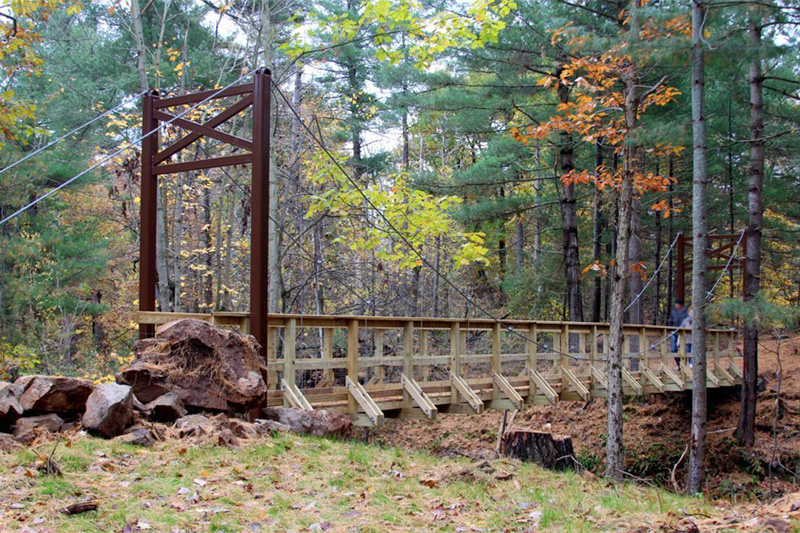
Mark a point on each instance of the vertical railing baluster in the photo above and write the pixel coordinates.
(533, 353)
(289, 355)
(496, 359)
(352, 362)
(455, 358)
(408, 358)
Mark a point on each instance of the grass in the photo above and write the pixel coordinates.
(295, 483)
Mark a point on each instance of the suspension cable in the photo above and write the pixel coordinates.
(115, 154)
(649, 281)
(71, 132)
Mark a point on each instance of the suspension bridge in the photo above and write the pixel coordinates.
(373, 367)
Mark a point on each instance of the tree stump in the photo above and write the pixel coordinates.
(545, 449)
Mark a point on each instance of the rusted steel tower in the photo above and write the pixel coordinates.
(155, 161)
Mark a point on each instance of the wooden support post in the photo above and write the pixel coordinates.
(327, 353)
(462, 342)
(544, 386)
(672, 376)
(289, 356)
(643, 348)
(408, 359)
(533, 352)
(423, 352)
(496, 368)
(466, 391)
(272, 348)
(352, 362)
(379, 337)
(599, 380)
(455, 359)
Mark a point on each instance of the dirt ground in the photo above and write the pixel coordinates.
(656, 432)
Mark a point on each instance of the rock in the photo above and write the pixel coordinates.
(10, 408)
(318, 422)
(138, 406)
(7, 443)
(227, 438)
(242, 429)
(209, 368)
(26, 429)
(109, 410)
(54, 394)
(166, 408)
(137, 436)
(194, 425)
(267, 427)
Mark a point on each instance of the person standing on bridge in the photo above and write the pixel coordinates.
(677, 317)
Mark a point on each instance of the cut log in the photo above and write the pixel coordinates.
(545, 449)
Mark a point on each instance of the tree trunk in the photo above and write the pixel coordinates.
(745, 431)
(616, 342)
(569, 221)
(275, 275)
(700, 231)
(545, 449)
(597, 245)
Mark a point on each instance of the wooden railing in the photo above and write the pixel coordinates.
(372, 367)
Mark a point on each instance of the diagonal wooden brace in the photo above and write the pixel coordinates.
(467, 393)
(628, 378)
(653, 379)
(667, 371)
(579, 387)
(369, 406)
(543, 386)
(294, 397)
(508, 389)
(419, 396)
(599, 378)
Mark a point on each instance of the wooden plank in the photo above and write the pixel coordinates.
(360, 396)
(352, 362)
(653, 379)
(579, 387)
(455, 360)
(496, 369)
(672, 376)
(541, 384)
(711, 378)
(533, 352)
(599, 380)
(293, 397)
(289, 351)
(413, 389)
(501, 383)
(408, 358)
(466, 391)
(628, 378)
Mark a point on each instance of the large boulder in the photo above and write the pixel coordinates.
(10, 408)
(54, 394)
(28, 428)
(208, 368)
(318, 422)
(166, 408)
(109, 410)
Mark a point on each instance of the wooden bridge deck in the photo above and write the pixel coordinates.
(376, 367)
